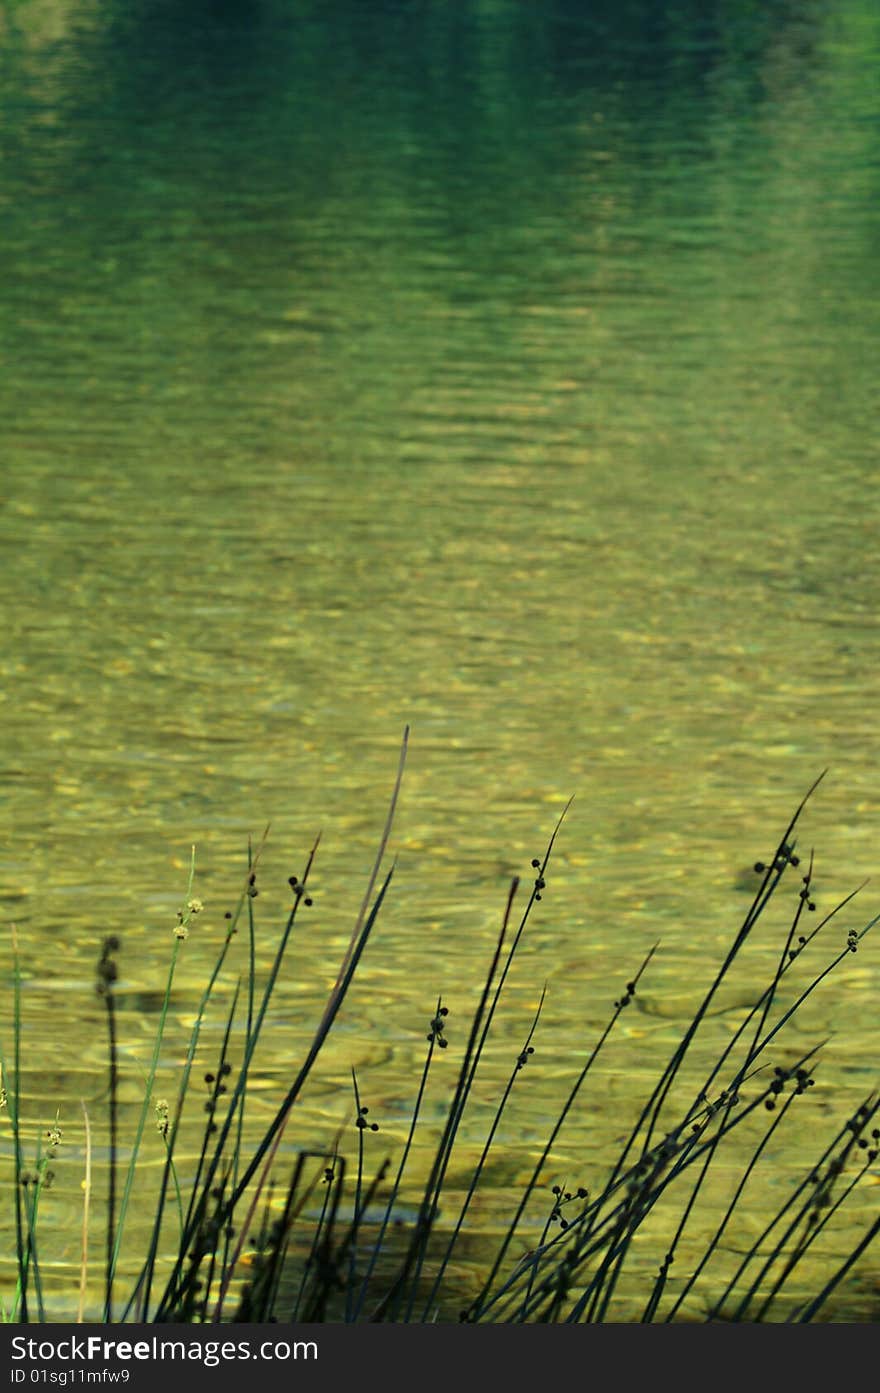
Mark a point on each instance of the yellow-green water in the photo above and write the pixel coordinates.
(480, 368)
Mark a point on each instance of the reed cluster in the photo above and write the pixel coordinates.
(346, 1234)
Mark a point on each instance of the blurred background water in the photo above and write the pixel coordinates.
(504, 370)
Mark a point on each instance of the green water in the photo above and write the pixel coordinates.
(502, 370)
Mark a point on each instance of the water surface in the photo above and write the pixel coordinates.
(495, 370)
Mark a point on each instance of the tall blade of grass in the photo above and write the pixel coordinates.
(87, 1199)
(332, 1194)
(115, 1233)
(251, 1008)
(107, 974)
(146, 1279)
(356, 945)
(521, 1061)
(253, 1306)
(479, 1033)
(560, 1197)
(486, 1013)
(481, 1025)
(245, 1226)
(482, 1300)
(33, 1189)
(208, 1147)
(536, 892)
(12, 1089)
(429, 1204)
(324, 1268)
(374, 874)
(237, 1104)
(362, 1124)
(218, 1089)
(435, 1039)
(337, 996)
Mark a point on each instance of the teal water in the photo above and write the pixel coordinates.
(493, 369)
